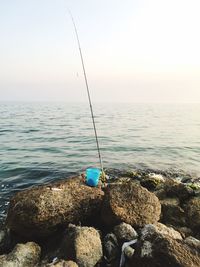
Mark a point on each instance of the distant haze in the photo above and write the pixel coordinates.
(134, 50)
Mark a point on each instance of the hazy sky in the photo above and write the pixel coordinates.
(134, 50)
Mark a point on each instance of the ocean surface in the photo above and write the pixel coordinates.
(43, 142)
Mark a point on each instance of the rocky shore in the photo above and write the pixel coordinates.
(134, 219)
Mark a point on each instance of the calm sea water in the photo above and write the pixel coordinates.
(42, 142)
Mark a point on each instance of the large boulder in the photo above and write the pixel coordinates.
(130, 203)
(23, 255)
(40, 210)
(164, 248)
(82, 245)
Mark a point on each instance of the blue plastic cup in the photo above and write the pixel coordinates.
(92, 176)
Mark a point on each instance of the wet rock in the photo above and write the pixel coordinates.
(192, 210)
(172, 213)
(23, 255)
(162, 250)
(130, 203)
(40, 210)
(125, 232)
(82, 245)
(111, 249)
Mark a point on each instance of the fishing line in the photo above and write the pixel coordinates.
(88, 92)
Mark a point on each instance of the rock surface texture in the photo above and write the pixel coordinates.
(162, 248)
(130, 203)
(23, 255)
(38, 211)
(82, 245)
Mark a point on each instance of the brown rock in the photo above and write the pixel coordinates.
(39, 211)
(156, 249)
(130, 203)
(83, 245)
(23, 255)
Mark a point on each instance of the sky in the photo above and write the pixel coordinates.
(134, 50)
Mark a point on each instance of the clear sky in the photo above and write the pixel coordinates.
(134, 50)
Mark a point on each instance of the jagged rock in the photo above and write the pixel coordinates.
(192, 210)
(172, 213)
(130, 203)
(111, 249)
(125, 232)
(23, 255)
(40, 210)
(82, 245)
(156, 249)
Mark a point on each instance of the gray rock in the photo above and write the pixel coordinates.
(130, 203)
(159, 229)
(125, 232)
(39, 211)
(82, 245)
(23, 255)
(111, 248)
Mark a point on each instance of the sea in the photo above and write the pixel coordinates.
(45, 142)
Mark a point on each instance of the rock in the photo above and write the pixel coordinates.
(5, 240)
(152, 181)
(192, 210)
(128, 252)
(23, 255)
(161, 194)
(125, 232)
(159, 229)
(82, 245)
(184, 231)
(111, 249)
(180, 190)
(193, 242)
(172, 213)
(40, 210)
(129, 203)
(162, 250)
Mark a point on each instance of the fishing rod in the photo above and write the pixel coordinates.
(88, 92)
